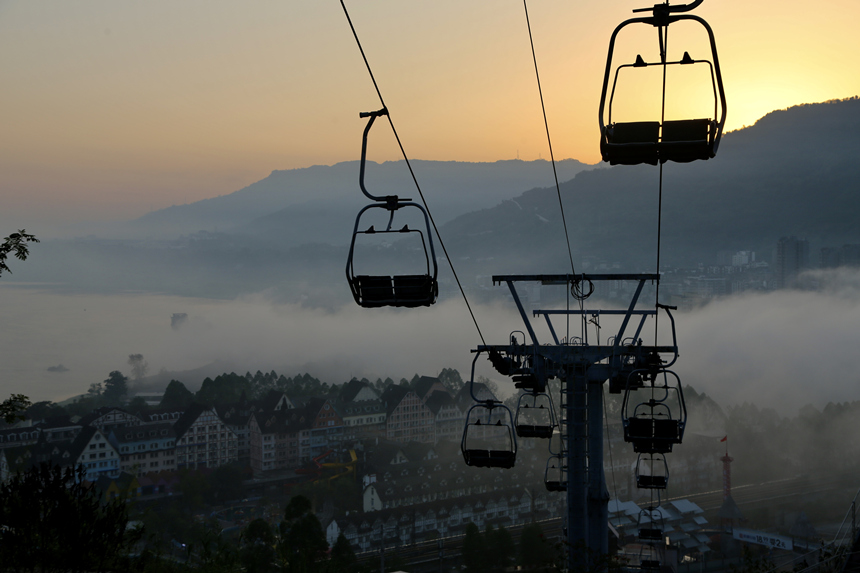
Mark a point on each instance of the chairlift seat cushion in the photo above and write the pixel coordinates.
(667, 430)
(685, 140)
(415, 290)
(650, 534)
(555, 486)
(534, 431)
(634, 132)
(490, 458)
(631, 143)
(686, 130)
(403, 290)
(374, 291)
(651, 482)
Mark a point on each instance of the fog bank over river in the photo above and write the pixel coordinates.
(783, 349)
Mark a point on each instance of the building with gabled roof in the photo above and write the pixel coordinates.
(108, 418)
(15, 437)
(203, 440)
(162, 415)
(146, 448)
(407, 417)
(276, 438)
(327, 427)
(426, 386)
(362, 411)
(449, 420)
(237, 416)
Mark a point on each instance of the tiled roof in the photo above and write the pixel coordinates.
(187, 419)
(392, 397)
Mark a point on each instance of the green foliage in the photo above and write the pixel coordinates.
(176, 396)
(343, 492)
(16, 244)
(45, 409)
(13, 408)
(55, 522)
(451, 378)
(500, 548)
(342, 556)
(195, 489)
(753, 563)
(258, 547)
(302, 545)
(137, 405)
(115, 388)
(534, 549)
(474, 550)
(225, 388)
(225, 484)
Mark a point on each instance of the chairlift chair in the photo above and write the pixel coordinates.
(399, 290)
(535, 420)
(650, 525)
(489, 440)
(653, 142)
(555, 475)
(657, 424)
(652, 471)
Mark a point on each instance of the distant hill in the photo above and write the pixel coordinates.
(795, 172)
(300, 205)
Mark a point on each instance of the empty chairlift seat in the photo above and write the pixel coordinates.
(402, 290)
(535, 417)
(681, 141)
(489, 440)
(652, 471)
(649, 142)
(490, 458)
(652, 435)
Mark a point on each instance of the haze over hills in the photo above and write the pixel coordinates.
(303, 205)
(792, 173)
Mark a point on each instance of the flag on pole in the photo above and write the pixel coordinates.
(725, 438)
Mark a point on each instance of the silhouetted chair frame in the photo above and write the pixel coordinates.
(479, 416)
(657, 424)
(541, 401)
(373, 291)
(633, 143)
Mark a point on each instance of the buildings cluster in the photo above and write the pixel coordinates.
(273, 432)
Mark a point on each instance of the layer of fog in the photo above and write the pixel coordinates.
(783, 349)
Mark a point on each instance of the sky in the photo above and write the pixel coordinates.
(113, 109)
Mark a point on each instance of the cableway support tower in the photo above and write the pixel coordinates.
(582, 368)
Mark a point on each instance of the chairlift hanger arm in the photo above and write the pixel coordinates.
(666, 8)
(392, 201)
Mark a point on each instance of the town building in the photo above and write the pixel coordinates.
(407, 417)
(147, 448)
(203, 440)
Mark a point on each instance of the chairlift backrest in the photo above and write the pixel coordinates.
(535, 417)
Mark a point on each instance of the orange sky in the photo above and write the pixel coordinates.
(110, 109)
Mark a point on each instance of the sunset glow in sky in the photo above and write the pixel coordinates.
(112, 109)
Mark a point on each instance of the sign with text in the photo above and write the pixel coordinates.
(762, 538)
